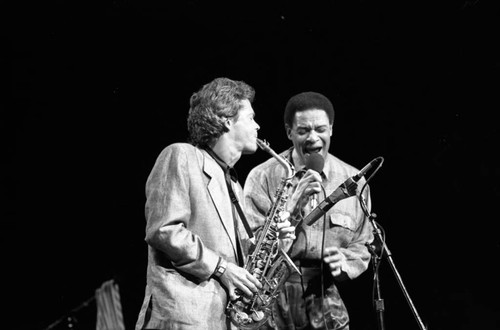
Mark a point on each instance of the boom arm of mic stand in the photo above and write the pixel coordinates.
(388, 256)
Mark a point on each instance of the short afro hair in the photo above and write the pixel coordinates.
(307, 101)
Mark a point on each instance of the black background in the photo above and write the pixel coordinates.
(100, 90)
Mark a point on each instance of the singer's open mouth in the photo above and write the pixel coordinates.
(309, 150)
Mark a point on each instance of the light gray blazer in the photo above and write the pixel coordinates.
(189, 225)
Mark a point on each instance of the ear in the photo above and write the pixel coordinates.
(288, 132)
(228, 123)
(331, 130)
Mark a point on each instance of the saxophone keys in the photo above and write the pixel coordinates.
(257, 316)
(257, 271)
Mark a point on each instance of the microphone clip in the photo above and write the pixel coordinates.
(349, 187)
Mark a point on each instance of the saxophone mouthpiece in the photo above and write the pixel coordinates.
(263, 144)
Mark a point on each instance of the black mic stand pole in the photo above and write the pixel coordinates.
(378, 302)
(388, 255)
(69, 317)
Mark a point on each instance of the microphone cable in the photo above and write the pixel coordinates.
(323, 239)
(366, 183)
(373, 247)
(363, 203)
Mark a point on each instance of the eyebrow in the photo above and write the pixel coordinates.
(307, 126)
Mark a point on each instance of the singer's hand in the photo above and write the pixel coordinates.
(309, 184)
(335, 260)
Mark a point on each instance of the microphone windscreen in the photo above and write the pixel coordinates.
(315, 161)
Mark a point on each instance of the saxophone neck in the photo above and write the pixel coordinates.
(290, 169)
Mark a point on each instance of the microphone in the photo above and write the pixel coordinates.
(346, 189)
(316, 162)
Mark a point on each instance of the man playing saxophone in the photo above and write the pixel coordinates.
(312, 300)
(195, 230)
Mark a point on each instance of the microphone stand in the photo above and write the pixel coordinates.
(379, 303)
(69, 317)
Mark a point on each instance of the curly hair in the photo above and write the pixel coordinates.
(306, 101)
(212, 105)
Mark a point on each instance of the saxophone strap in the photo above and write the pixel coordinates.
(234, 199)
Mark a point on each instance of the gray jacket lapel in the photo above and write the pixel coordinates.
(220, 196)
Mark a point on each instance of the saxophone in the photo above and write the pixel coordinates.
(268, 262)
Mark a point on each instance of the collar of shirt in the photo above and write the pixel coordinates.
(228, 170)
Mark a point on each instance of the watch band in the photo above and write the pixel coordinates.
(221, 267)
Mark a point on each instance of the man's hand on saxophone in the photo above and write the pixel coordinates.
(239, 278)
(239, 281)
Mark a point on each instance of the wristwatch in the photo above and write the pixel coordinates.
(221, 267)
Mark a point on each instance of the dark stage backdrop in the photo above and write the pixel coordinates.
(99, 91)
